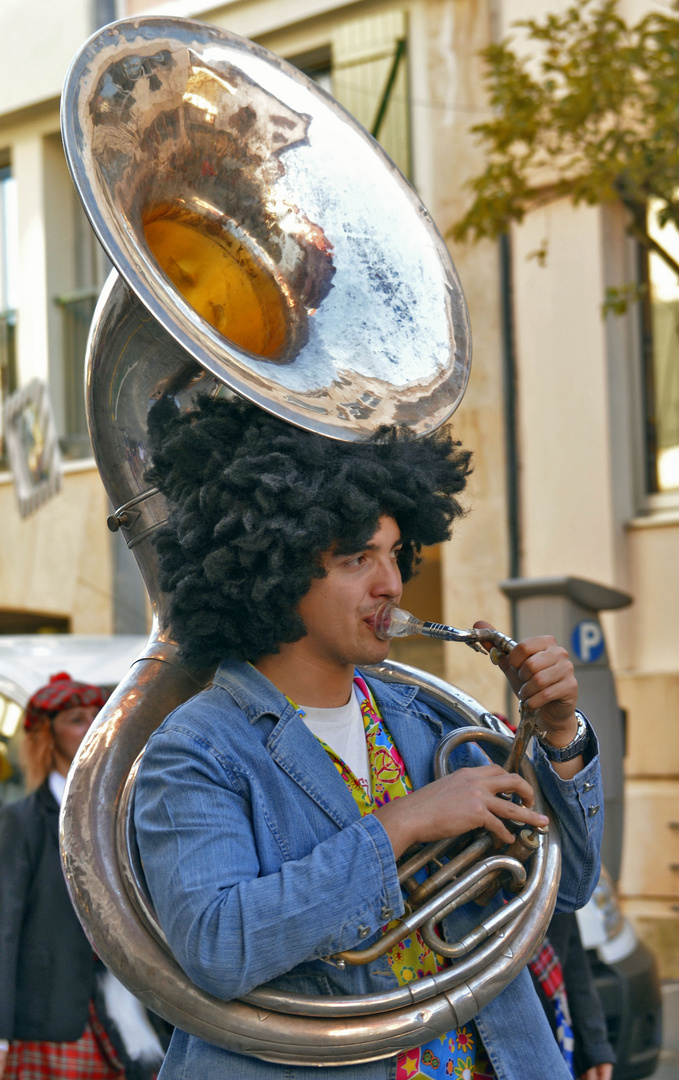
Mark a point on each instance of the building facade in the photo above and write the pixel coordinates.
(573, 418)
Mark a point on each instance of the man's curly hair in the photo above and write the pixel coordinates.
(255, 503)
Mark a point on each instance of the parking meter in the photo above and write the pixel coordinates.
(567, 608)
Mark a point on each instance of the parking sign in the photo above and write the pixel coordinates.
(587, 640)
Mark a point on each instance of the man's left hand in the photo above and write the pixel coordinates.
(542, 676)
(598, 1072)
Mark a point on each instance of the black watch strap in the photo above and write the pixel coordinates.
(576, 746)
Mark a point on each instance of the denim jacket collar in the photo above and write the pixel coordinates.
(288, 740)
(258, 697)
(295, 749)
(252, 691)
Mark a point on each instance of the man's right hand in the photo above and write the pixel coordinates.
(457, 803)
(3, 1062)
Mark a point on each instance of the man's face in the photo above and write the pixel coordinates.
(339, 609)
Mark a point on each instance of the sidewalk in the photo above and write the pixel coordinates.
(668, 1066)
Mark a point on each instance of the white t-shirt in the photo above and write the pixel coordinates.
(343, 731)
(57, 783)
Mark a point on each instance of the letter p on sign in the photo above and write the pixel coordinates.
(587, 641)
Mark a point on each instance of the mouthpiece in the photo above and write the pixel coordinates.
(392, 621)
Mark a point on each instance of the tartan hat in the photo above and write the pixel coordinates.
(62, 692)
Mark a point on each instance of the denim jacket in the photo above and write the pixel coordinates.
(259, 864)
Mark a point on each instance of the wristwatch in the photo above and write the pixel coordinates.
(573, 748)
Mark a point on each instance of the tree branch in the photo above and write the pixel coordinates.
(639, 231)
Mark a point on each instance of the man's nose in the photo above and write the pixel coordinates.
(388, 580)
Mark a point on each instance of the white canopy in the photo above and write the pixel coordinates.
(28, 660)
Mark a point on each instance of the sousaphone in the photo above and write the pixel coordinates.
(263, 245)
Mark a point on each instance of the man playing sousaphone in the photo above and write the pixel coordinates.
(271, 808)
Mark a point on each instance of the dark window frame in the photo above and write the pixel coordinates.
(8, 330)
(650, 418)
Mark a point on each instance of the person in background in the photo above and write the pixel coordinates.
(565, 985)
(55, 995)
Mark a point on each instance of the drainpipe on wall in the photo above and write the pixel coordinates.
(102, 12)
(509, 391)
(509, 394)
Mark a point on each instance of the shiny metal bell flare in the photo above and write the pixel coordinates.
(264, 229)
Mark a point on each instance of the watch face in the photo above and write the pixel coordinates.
(573, 748)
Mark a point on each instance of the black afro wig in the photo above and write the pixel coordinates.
(255, 503)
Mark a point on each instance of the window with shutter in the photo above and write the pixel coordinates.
(370, 78)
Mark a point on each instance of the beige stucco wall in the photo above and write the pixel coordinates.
(563, 413)
(38, 43)
(653, 628)
(58, 560)
(649, 691)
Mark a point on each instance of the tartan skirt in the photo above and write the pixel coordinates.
(91, 1057)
